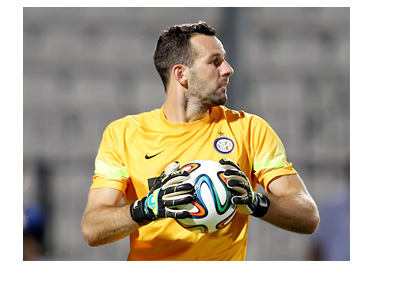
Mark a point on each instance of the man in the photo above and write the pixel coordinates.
(136, 149)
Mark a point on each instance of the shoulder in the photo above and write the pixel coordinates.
(238, 116)
(131, 122)
(253, 125)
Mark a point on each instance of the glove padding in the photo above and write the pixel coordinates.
(167, 191)
(248, 201)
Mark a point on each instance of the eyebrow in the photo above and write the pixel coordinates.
(217, 55)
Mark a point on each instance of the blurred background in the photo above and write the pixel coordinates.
(85, 67)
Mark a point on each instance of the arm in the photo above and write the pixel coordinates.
(291, 206)
(104, 221)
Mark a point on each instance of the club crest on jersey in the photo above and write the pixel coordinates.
(224, 145)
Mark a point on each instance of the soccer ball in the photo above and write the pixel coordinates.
(211, 208)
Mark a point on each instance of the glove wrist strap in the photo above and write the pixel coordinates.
(137, 212)
(262, 206)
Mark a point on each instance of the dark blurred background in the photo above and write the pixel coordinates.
(85, 67)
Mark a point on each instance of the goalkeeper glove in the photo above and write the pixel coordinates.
(168, 191)
(248, 201)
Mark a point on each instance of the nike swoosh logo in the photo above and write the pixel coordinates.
(149, 157)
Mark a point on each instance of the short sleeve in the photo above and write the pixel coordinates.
(269, 155)
(110, 171)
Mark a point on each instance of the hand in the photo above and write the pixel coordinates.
(168, 191)
(248, 201)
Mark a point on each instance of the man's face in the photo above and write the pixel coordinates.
(209, 75)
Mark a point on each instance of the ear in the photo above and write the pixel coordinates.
(179, 72)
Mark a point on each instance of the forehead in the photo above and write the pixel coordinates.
(206, 46)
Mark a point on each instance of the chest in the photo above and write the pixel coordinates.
(148, 153)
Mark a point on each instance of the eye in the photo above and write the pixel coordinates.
(216, 62)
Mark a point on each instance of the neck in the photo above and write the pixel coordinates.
(178, 109)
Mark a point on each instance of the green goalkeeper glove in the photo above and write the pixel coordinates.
(168, 191)
(248, 201)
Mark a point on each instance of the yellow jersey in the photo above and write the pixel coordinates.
(136, 149)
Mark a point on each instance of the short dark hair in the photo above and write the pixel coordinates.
(173, 47)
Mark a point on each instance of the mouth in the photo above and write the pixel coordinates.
(224, 83)
(222, 90)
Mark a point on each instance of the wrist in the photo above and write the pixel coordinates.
(138, 213)
(262, 205)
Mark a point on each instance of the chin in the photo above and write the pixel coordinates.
(220, 100)
(223, 99)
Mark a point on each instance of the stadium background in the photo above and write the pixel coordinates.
(85, 67)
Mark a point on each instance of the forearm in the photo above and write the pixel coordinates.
(293, 212)
(106, 224)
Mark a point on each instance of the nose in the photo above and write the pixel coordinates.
(226, 69)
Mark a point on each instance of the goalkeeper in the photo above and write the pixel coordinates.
(139, 158)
